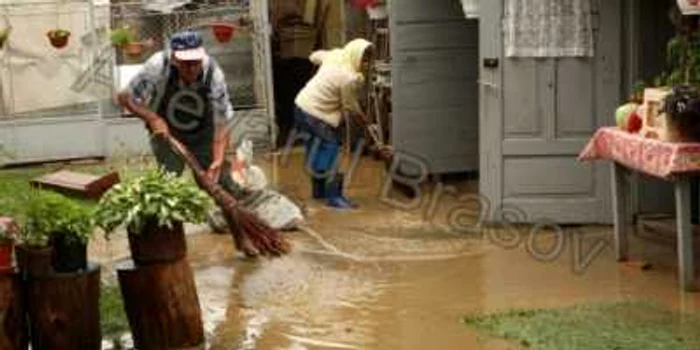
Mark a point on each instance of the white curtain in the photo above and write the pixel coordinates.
(548, 28)
(471, 8)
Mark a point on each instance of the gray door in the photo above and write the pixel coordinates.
(538, 114)
(435, 93)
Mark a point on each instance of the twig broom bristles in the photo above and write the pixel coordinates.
(244, 225)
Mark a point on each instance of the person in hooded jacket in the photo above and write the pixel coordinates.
(320, 112)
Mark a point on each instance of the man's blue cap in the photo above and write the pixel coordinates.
(187, 46)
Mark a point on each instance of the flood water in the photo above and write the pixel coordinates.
(382, 277)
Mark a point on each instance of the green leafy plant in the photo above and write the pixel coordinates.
(4, 35)
(156, 195)
(49, 213)
(682, 52)
(58, 33)
(121, 36)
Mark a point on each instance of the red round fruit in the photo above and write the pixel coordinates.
(634, 123)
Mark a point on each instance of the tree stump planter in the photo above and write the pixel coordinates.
(13, 321)
(68, 256)
(33, 262)
(157, 244)
(162, 305)
(64, 310)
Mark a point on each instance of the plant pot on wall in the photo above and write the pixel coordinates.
(133, 49)
(223, 32)
(689, 7)
(58, 37)
(4, 35)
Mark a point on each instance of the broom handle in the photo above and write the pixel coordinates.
(226, 200)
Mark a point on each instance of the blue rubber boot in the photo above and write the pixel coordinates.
(319, 188)
(336, 199)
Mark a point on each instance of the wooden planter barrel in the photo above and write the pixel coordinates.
(14, 334)
(157, 244)
(34, 261)
(64, 310)
(162, 305)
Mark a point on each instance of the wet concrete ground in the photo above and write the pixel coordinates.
(381, 277)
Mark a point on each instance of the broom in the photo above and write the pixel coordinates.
(244, 225)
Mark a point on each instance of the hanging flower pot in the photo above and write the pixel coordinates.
(134, 49)
(223, 32)
(58, 37)
(689, 7)
(4, 34)
(364, 4)
(378, 11)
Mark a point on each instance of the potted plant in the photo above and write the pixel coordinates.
(8, 230)
(223, 31)
(4, 34)
(34, 251)
(58, 37)
(68, 226)
(153, 208)
(124, 39)
(120, 37)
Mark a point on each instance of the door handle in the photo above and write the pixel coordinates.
(488, 84)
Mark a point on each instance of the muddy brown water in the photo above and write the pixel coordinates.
(385, 278)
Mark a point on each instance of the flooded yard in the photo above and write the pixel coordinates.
(381, 277)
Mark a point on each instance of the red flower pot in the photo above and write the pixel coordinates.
(58, 38)
(364, 4)
(6, 251)
(134, 49)
(223, 32)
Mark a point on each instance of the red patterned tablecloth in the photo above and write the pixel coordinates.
(653, 157)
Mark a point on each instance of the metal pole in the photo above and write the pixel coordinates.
(269, 90)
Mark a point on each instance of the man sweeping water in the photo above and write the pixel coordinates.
(182, 96)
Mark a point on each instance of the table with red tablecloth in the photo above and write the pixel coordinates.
(670, 161)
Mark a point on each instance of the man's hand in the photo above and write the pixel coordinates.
(158, 125)
(214, 172)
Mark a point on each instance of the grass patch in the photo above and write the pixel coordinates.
(15, 189)
(113, 318)
(609, 326)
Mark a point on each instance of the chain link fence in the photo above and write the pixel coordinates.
(38, 80)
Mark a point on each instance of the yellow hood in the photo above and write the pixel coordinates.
(350, 56)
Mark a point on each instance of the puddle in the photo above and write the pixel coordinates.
(382, 278)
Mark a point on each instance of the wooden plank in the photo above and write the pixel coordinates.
(77, 184)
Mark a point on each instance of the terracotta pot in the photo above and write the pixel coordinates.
(133, 49)
(6, 250)
(34, 262)
(58, 41)
(223, 32)
(157, 244)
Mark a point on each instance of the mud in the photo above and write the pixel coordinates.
(386, 278)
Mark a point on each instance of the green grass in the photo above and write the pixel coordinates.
(15, 189)
(598, 326)
(113, 318)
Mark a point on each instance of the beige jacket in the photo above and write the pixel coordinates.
(335, 87)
